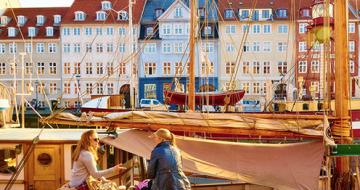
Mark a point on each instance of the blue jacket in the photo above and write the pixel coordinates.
(165, 168)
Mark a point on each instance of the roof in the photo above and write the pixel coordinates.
(30, 14)
(90, 7)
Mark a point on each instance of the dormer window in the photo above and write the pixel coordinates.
(149, 31)
(255, 14)
(100, 15)
(122, 15)
(207, 30)
(305, 12)
(282, 13)
(79, 16)
(40, 20)
(158, 12)
(31, 32)
(4, 20)
(201, 12)
(229, 13)
(57, 19)
(266, 14)
(105, 5)
(49, 31)
(178, 12)
(21, 20)
(244, 14)
(11, 32)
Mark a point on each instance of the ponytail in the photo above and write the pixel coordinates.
(173, 141)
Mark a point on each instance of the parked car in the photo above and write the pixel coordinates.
(152, 104)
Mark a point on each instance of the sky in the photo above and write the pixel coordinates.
(45, 3)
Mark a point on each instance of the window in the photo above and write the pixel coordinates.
(149, 31)
(244, 14)
(178, 28)
(40, 20)
(256, 88)
(166, 29)
(282, 46)
(52, 88)
(66, 31)
(302, 47)
(122, 15)
(150, 68)
(89, 88)
(282, 67)
(256, 47)
(178, 47)
(267, 28)
(13, 68)
(178, 12)
(49, 31)
(77, 48)
(99, 68)
(77, 88)
(256, 29)
(88, 31)
(207, 30)
(40, 68)
(110, 31)
(150, 48)
(100, 15)
(246, 87)
(2, 48)
(303, 28)
(166, 47)
(2, 69)
(122, 31)
(351, 46)
(88, 48)
(66, 48)
(67, 89)
(207, 68)
(122, 69)
(150, 91)
(316, 47)
(179, 68)
(4, 20)
(12, 48)
(352, 66)
(246, 47)
(230, 29)
(267, 46)
(110, 88)
(77, 68)
(105, 5)
(67, 68)
(110, 47)
(229, 13)
(110, 68)
(77, 31)
(99, 31)
(230, 68)
(246, 67)
(99, 48)
(305, 12)
(166, 68)
(122, 47)
(283, 28)
(255, 14)
(282, 13)
(31, 31)
(265, 14)
(245, 28)
(40, 47)
(201, 12)
(79, 16)
(266, 67)
(315, 87)
(256, 67)
(208, 47)
(302, 66)
(28, 68)
(11, 32)
(351, 27)
(88, 68)
(52, 68)
(315, 66)
(57, 19)
(8, 161)
(158, 12)
(230, 47)
(52, 47)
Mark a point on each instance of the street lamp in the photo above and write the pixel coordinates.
(320, 28)
(78, 92)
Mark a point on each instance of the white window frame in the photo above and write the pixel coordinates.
(11, 31)
(57, 19)
(49, 31)
(40, 20)
(31, 31)
(79, 16)
(100, 15)
(302, 67)
(52, 48)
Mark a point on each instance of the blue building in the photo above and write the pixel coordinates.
(164, 38)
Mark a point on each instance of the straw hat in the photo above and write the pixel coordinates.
(162, 134)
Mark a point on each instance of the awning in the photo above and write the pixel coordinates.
(282, 166)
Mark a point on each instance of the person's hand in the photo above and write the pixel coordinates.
(119, 168)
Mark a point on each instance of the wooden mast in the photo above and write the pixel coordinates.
(191, 99)
(341, 129)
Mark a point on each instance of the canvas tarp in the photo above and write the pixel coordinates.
(282, 166)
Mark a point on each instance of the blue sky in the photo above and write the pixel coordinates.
(45, 3)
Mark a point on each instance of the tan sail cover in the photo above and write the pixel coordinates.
(282, 166)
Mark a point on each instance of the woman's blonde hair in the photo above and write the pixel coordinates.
(165, 135)
(85, 144)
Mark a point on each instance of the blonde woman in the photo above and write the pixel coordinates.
(165, 166)
(84, 161)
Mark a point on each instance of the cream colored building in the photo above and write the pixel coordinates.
(31, 47)
(258, 59)
(96, 51)
(4, 4)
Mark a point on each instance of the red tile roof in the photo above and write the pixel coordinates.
(30, 14)
(90, 7)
